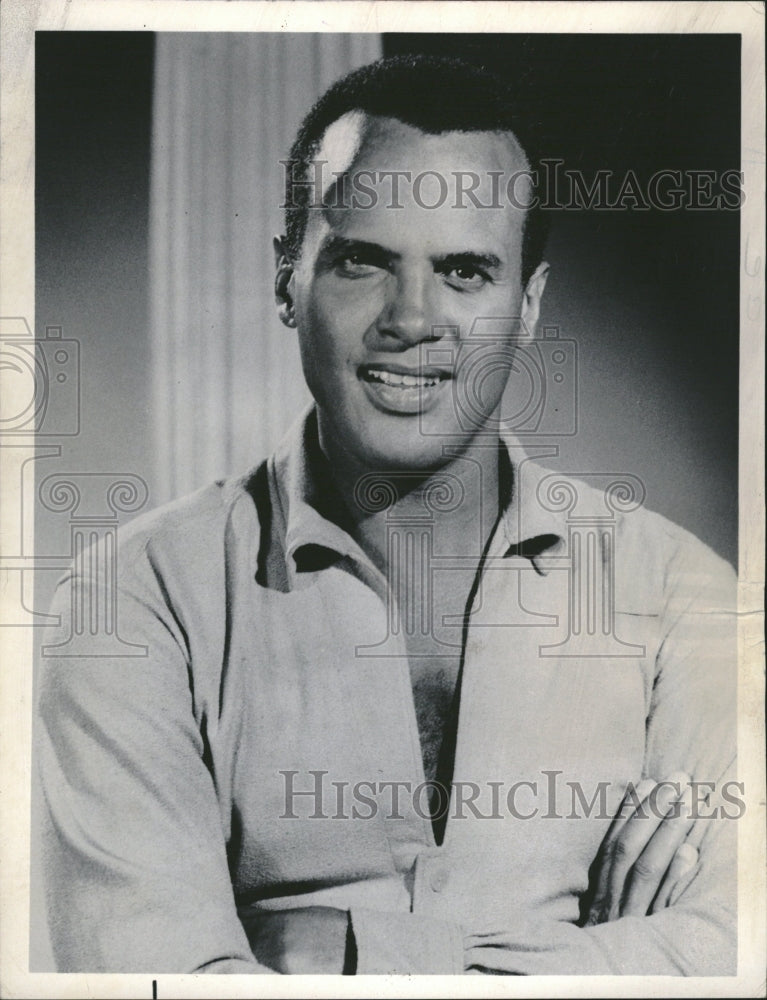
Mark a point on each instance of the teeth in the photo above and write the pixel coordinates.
(394, 378)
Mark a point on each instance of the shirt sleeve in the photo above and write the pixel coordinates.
(132, 846)
(406, 944)
(691, 726)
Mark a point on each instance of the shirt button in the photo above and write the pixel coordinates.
(438, 879)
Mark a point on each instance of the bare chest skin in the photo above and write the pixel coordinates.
(435, 667)
(426, 593)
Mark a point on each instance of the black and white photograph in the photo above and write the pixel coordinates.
(383, 499)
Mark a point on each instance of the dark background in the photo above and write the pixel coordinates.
(93, 94)
(650, 297)
(655, 293)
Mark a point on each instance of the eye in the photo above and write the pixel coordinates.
(466, 277)
(356, 265)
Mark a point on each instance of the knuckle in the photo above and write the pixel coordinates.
(646, 869)
(599, 913)
(686, 856)
(619, 850)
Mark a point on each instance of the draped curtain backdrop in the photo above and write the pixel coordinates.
(226, 374)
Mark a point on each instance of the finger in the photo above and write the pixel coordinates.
(634, 799)
(601, 903)
(637, 834)
(685, 860)
(649, 869)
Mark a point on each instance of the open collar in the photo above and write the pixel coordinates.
(527, 526)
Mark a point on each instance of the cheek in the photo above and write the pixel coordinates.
(485, 362)
(336, 318)
(481, 386)
(487, 315)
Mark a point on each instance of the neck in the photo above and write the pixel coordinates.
(459, 501)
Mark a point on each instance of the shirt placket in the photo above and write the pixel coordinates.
(393, 715)
(434, 874)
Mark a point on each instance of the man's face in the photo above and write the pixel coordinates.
(386, 298)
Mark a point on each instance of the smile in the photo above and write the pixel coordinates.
(401, 390)
(395, 378)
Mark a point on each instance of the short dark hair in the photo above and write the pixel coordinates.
(432, 94)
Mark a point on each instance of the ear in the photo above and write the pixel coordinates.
(531, 301)
(283, 282)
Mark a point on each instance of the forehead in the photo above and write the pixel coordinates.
(382, 176)
(371, 137)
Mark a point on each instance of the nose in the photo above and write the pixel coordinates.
(407, 315)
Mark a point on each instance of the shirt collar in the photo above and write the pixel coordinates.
(526, 518)
(301, 475)
(302, 480)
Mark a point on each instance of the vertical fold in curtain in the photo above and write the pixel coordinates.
(226, 374)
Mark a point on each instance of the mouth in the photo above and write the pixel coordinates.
(402, 377)
(398, 389)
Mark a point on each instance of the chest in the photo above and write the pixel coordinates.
(316, 693)
(434, 653)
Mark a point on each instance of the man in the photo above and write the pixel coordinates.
(399, 679)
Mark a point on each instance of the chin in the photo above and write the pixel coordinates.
(422, 455)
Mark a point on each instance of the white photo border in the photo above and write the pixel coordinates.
(19, 19)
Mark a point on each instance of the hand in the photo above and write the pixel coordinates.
(308, 940)
(644, 854)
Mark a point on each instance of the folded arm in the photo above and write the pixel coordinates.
(133, 852)
(690, 728)
(134, 844)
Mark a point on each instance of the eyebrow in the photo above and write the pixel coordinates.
(335, 245)
(470, 258)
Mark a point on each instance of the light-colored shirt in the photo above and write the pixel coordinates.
(268, 660)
